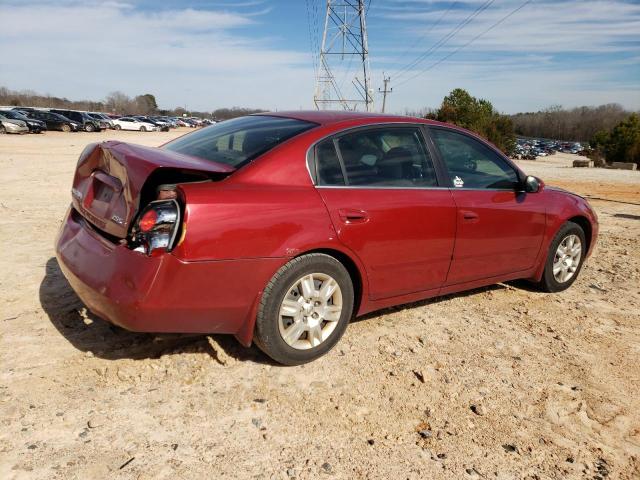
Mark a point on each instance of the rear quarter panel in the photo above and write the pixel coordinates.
(232, 221)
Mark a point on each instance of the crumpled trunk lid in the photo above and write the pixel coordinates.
(110, 177)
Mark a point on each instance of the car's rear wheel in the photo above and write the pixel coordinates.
(66, 128)
(565, 258)
(305, 309)
(117, 127)
(89, 127)
(2, 129)
(143, 129)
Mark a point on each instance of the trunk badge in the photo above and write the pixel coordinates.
(117, 219)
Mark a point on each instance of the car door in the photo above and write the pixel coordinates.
(499, 227)
(382, 192)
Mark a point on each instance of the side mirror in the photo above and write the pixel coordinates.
(532, 184)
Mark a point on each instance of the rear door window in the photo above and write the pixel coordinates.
(380, 157)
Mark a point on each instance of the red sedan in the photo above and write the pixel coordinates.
(280, 227)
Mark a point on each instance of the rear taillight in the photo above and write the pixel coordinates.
(157, 227)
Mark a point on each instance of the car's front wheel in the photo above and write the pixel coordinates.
(305, 309)
(565, 258)
(89, 127)
(2, 129)
(143, 129)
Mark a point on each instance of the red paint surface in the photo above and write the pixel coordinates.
(406, 244)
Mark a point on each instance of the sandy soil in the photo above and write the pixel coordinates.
(502, 382)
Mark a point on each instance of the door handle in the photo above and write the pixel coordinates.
(352, 215)
(470, 216)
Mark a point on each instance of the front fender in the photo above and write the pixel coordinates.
(563, 206)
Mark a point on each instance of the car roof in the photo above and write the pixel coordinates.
(328, 117)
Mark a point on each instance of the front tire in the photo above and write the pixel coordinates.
(143, 129)
(2, 129)
(66, 128)
(565, 258)
(117, 127)
(305, 309)
(89, 127)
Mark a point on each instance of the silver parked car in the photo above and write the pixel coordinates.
(103, 119)
(8, 125)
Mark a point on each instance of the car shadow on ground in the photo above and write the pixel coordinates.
(87, 332)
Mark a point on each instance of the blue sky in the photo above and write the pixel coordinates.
(210, 54)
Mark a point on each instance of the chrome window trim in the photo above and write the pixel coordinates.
(519, 173)
(418, 125)
(340, 132)
(386, 187)
(311, 148)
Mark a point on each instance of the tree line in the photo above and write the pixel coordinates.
(576, 124)
(115, 102)
(613, 132)
(619, 144)
(477, 115)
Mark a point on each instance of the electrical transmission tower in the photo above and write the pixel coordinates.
(344, 37)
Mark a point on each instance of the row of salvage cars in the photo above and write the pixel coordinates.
(37, 120)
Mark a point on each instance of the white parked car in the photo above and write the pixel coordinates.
(129, 123)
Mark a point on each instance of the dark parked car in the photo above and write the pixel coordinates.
(280, 227)
(53, 121)
(87, 123)
(35, 126)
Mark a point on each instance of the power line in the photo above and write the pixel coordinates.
(446, 38)
(311, 41)
(450, 54)
(423, 36)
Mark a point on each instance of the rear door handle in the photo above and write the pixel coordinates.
(352, 215)
(470, 216)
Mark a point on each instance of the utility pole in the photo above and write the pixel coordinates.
(344, 37)
(386, 90)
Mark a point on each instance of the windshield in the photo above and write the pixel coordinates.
(238, 141)
(14, 115)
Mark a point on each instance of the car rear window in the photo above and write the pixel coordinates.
(238, 141)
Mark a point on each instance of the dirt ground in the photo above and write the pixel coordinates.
(498, 383)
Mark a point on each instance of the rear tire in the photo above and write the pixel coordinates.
(66, 128)
(89, 127)
(299, 321)
(2, 129)
(117, 127)
(564, 259)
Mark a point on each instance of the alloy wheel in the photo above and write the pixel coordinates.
(567, 258)
(310, 311)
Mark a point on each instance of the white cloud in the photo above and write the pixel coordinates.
(211, 58)
(185, 56)
(550, 52)
(540, 26)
